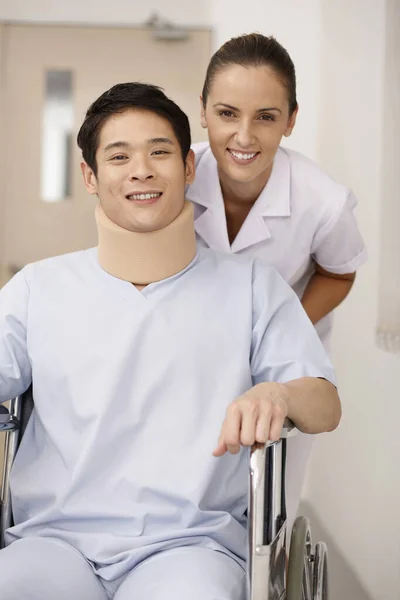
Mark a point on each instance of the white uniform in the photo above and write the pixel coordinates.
(301, 216)
(131, 389)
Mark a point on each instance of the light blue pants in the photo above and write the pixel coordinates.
(47, 569)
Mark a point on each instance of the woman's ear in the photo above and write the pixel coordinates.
(291, 122)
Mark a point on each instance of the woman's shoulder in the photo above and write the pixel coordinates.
(307, 177)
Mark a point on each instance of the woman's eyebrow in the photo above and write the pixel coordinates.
(259, 110)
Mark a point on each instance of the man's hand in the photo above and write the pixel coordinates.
(257, 416)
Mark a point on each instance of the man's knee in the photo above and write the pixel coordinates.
(45, 569)
(191, 572)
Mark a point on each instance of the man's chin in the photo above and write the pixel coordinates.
(147, 227)
(141, 228)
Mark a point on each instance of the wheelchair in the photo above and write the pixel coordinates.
(305, 577)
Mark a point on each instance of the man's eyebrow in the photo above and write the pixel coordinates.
(161, 140)
(116, 145)
(260, 110)
(151, 141)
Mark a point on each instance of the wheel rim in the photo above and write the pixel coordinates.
(299, 581)
(320, 577)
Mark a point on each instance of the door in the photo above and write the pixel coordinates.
(87, 61)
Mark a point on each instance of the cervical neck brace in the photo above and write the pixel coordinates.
(142, 258)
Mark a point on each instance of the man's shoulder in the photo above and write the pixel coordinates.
(235, 264)
(57, 267)
(246, 280)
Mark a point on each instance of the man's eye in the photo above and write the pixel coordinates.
(119, 157)
(159, 152)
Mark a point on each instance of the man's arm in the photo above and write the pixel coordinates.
(258, 416)
(15, 367)
(291, 372)
(313, 404)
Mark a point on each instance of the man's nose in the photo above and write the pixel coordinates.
(141, 170)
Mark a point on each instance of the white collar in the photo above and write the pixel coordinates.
(274, 201)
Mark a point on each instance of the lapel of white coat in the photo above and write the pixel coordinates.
(210, 219)
(273, 202)
(209, 211)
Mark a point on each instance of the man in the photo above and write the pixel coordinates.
(153, 364)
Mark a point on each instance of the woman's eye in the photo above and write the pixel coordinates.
(267, 118)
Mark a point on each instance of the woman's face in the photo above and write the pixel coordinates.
(247, 113)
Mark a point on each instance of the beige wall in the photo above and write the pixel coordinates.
(126, 12)
(2, 195)
(354, 484)
(389, 262)
(35, 229)
(4, 275)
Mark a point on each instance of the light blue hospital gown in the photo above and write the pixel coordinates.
(131, 390)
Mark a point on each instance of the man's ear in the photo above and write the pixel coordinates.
(89, 178)
(291, 122)
(190, 167)
(203, 120)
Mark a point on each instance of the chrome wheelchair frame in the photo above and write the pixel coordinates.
(269, 575)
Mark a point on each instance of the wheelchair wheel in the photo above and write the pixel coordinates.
(320, 576)
(299, 577)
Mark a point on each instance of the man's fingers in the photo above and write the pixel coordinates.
(231, 428)
(277, 422)
(249, 421)
(263, 427)
(250, 416)
(220, 449)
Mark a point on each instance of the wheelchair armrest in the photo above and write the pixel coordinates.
(8, 422)
(288, 429)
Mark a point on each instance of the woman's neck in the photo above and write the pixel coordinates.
(239, 198)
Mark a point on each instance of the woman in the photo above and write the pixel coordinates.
(253, 197)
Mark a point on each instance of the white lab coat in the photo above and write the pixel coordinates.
(301, 216)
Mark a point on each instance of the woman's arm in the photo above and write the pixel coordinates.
(324, 292)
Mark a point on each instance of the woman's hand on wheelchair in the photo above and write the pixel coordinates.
(255, 417)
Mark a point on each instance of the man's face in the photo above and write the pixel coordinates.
(141, 175)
